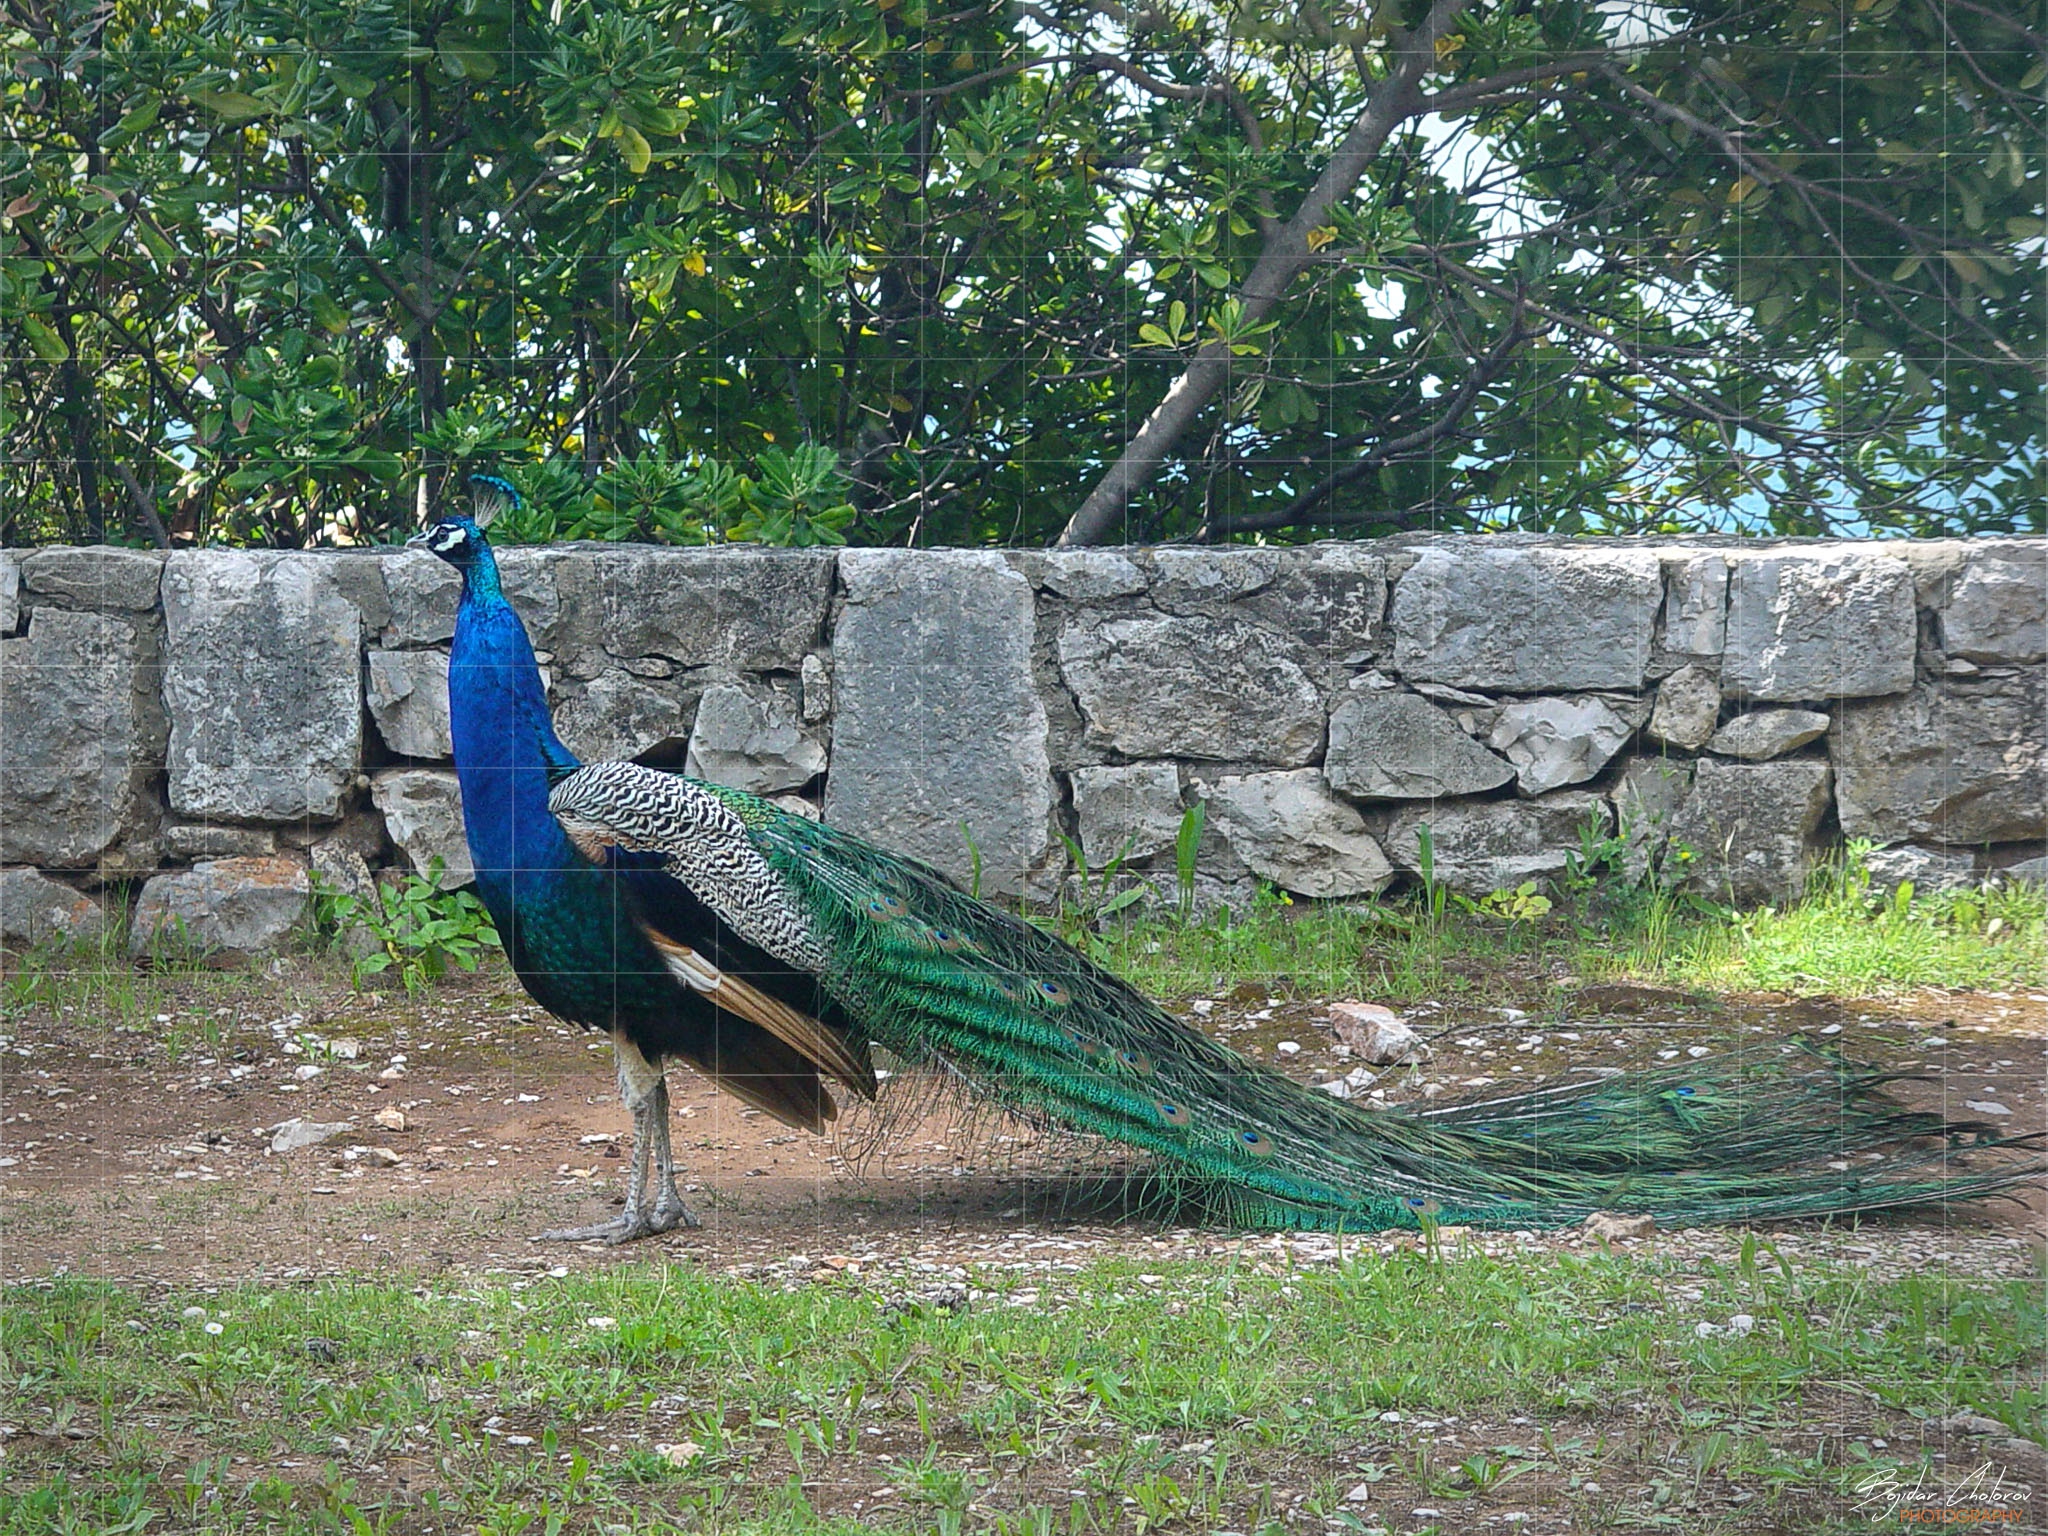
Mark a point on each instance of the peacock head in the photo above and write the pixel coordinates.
(459, 538)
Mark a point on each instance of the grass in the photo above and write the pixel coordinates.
(1238, 1393)
(1837, 939)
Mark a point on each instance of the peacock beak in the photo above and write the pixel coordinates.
(418, 540)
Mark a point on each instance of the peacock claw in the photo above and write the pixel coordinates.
(623, 1229)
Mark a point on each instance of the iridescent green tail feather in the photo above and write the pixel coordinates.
(935, 975)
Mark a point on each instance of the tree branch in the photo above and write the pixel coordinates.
(1392, 100)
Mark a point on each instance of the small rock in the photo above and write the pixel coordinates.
(1742, 1325)
(1766, 733)
(34, 907)
(1688, 703)
(292, 1135)
(1351, 1085)
(347, 1048)
(1288, 1048)
(308, 1072)
(1609, 1228)
(1969, 1424)
(324, 1350)
(1362, 1494)
(383, 1157)
(1986, 1106)
(1378, 1034)
(391, 1118)
(679, 1453)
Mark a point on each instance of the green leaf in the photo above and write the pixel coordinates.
(49, 345)
(233, 106)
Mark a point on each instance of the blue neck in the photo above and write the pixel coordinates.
(505, 743)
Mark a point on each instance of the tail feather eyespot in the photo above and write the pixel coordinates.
(884, 908)
(1053, 992)
(1140, 1064)
(1174, 1114)
(1254, 1142)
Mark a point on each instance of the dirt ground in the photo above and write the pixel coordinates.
(140, 1148)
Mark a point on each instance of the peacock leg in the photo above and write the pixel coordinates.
(643, 1091)
(669, 1211)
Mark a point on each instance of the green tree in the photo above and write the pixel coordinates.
(808, 269)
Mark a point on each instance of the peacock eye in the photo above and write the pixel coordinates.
(1053, 992)
(1174, 1114)
(1257, 1145)
(1137, 1063)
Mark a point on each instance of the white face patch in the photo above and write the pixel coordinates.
(445, 538)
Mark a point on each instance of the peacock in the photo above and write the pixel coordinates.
(775, 954)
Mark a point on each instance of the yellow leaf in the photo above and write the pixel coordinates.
(1318, 238)
(1742, 189)
(769, 435)
(694, 264)
(900, 405)
(1446, 46)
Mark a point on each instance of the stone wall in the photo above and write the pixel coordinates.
(204, 732)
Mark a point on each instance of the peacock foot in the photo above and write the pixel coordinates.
(626, 1227)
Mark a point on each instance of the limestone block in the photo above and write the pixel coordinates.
(1961, 761)
(814, 681)
(1214, 688)
(423, 815)
(1930, 869)
(1750, 827)
(1819, 624)
(80, 737)
(100, 579)
(241, 906)
(212, 840)
(1688, 704)
(10, 591)
(1696, 607)
(1997, 613)
(935, 719)
(422, 592)
(35, 909)
(408, 692)
(1494, 845)
(1764, 733)
(1131, 812)
(1289, 828)
(1555, 742)
(1647, 798)
(2034, 870)
(262, 684)
(1331, 597)
(533, 578)
(617, 715)
(1527, 619)
(1197, 580)
(1399, 746)
(752, 738)
(738, 606)
(1090, 575)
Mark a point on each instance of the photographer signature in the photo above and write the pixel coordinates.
(1887, 1490)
